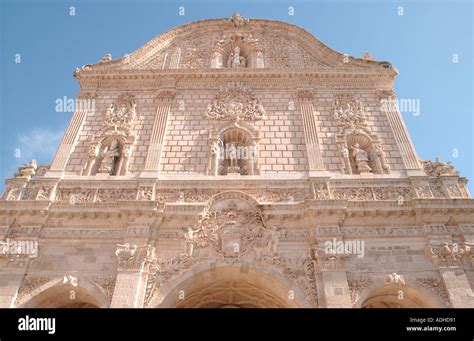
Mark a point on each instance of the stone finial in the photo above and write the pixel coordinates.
(438, 168)
(27, 170)
(368, 56)
(238, 20)
(107, 58)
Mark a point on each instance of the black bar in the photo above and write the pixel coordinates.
(300, 324)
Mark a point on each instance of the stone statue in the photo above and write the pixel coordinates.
(394, 279)
(233, 166)
(110, 158)
(242, 61)
(190, 240)
(107, 58)
(230, 60)
(361, 159)
(94, 150)
(368, 56)
(150, 253)
(238, 20)
(70, 280)
(236, 60)
(236, 57)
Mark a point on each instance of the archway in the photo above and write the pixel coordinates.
(398, 297)
(56, 295)
(233, 287)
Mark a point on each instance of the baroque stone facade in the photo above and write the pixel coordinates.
(236, 163)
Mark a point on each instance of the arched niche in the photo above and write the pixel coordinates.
(234, 151)
(361, 152)
(109, 155)
(237, 52)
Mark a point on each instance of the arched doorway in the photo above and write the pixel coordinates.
(233, 287)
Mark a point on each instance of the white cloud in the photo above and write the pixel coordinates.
(39, 144)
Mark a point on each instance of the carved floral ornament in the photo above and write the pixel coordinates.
(235, 103)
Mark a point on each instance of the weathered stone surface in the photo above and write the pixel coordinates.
(236, 162)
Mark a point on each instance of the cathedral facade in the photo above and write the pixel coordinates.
(236, 163)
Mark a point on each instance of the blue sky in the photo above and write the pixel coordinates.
(52, 43)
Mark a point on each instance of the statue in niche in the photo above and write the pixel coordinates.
(236, 60)
(110, 158)
(361, 159)
(236, 57)
(233, 166)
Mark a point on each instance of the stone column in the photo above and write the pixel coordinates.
(152, 162)
(14, 265)
(134, 259)
(334, 277)
(67, 144)
(458, 287)
(450, 258)
(305, 98)
(400, 132)
(336, 287)
(11, 274)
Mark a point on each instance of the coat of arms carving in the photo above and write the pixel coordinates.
(231, 231)
(235, 104)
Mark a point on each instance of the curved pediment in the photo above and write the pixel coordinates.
(235, 43)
